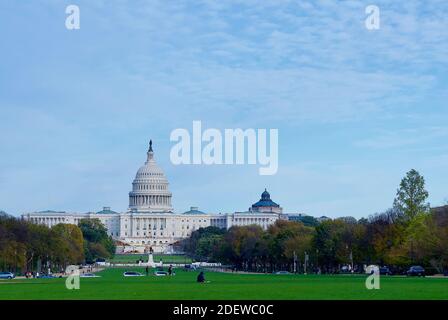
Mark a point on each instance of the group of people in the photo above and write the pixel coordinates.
(31, 274)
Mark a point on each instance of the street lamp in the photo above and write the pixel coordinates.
(295, 262)
(350, 258)
(306, 261)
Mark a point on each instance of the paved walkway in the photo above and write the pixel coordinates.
(81, 271)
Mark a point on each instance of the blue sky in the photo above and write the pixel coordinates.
(356, 109)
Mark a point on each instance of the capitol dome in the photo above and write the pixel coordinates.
(150, 191)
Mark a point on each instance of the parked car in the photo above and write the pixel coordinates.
(282, 272)
(46, 276)
(189, 267)
(102, 262)
(345, 269)
(385, 271)
(89, 275)
(418, 271)
(132, 274)
(7, 275)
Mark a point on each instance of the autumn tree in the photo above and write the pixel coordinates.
(71, 243)
(286, 239)
(97, 243)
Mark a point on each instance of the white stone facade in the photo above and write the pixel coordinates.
(150, 221)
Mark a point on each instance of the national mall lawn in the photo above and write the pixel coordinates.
(112, 285)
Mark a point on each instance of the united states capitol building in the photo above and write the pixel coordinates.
(150, 222)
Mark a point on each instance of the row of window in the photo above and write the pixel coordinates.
(144, 234)
(150, 187)
(48, 220)
(252, 220)
(147, 242)
(203, 220)
(152, 174)
(149, 227)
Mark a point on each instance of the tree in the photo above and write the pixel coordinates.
(25, 246)
(72, 243)
(208, 246)
(385, 234)
(427, 240)
(240, 246)
(286, 238)
(328, 242)
(194, 245)
(437, 248)
(98, 244)
(343, 241)
(299, 245)
(411, 196)
(309, 221)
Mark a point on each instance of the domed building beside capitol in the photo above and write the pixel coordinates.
(150, 222)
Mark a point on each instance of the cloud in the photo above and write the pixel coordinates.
(404, 138)
(71, 101)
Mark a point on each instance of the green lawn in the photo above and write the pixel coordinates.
(132, 258)
(112, 285)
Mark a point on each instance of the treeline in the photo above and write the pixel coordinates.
(408, 234)
(97, 243)
(25, 246)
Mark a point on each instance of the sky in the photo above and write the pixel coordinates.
(355, 108)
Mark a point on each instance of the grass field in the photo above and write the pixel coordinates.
(131, 258)
(112, 285)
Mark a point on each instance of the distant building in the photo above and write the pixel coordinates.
(297, 216)
(150, 221)
(323, 218)
(265, 204)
